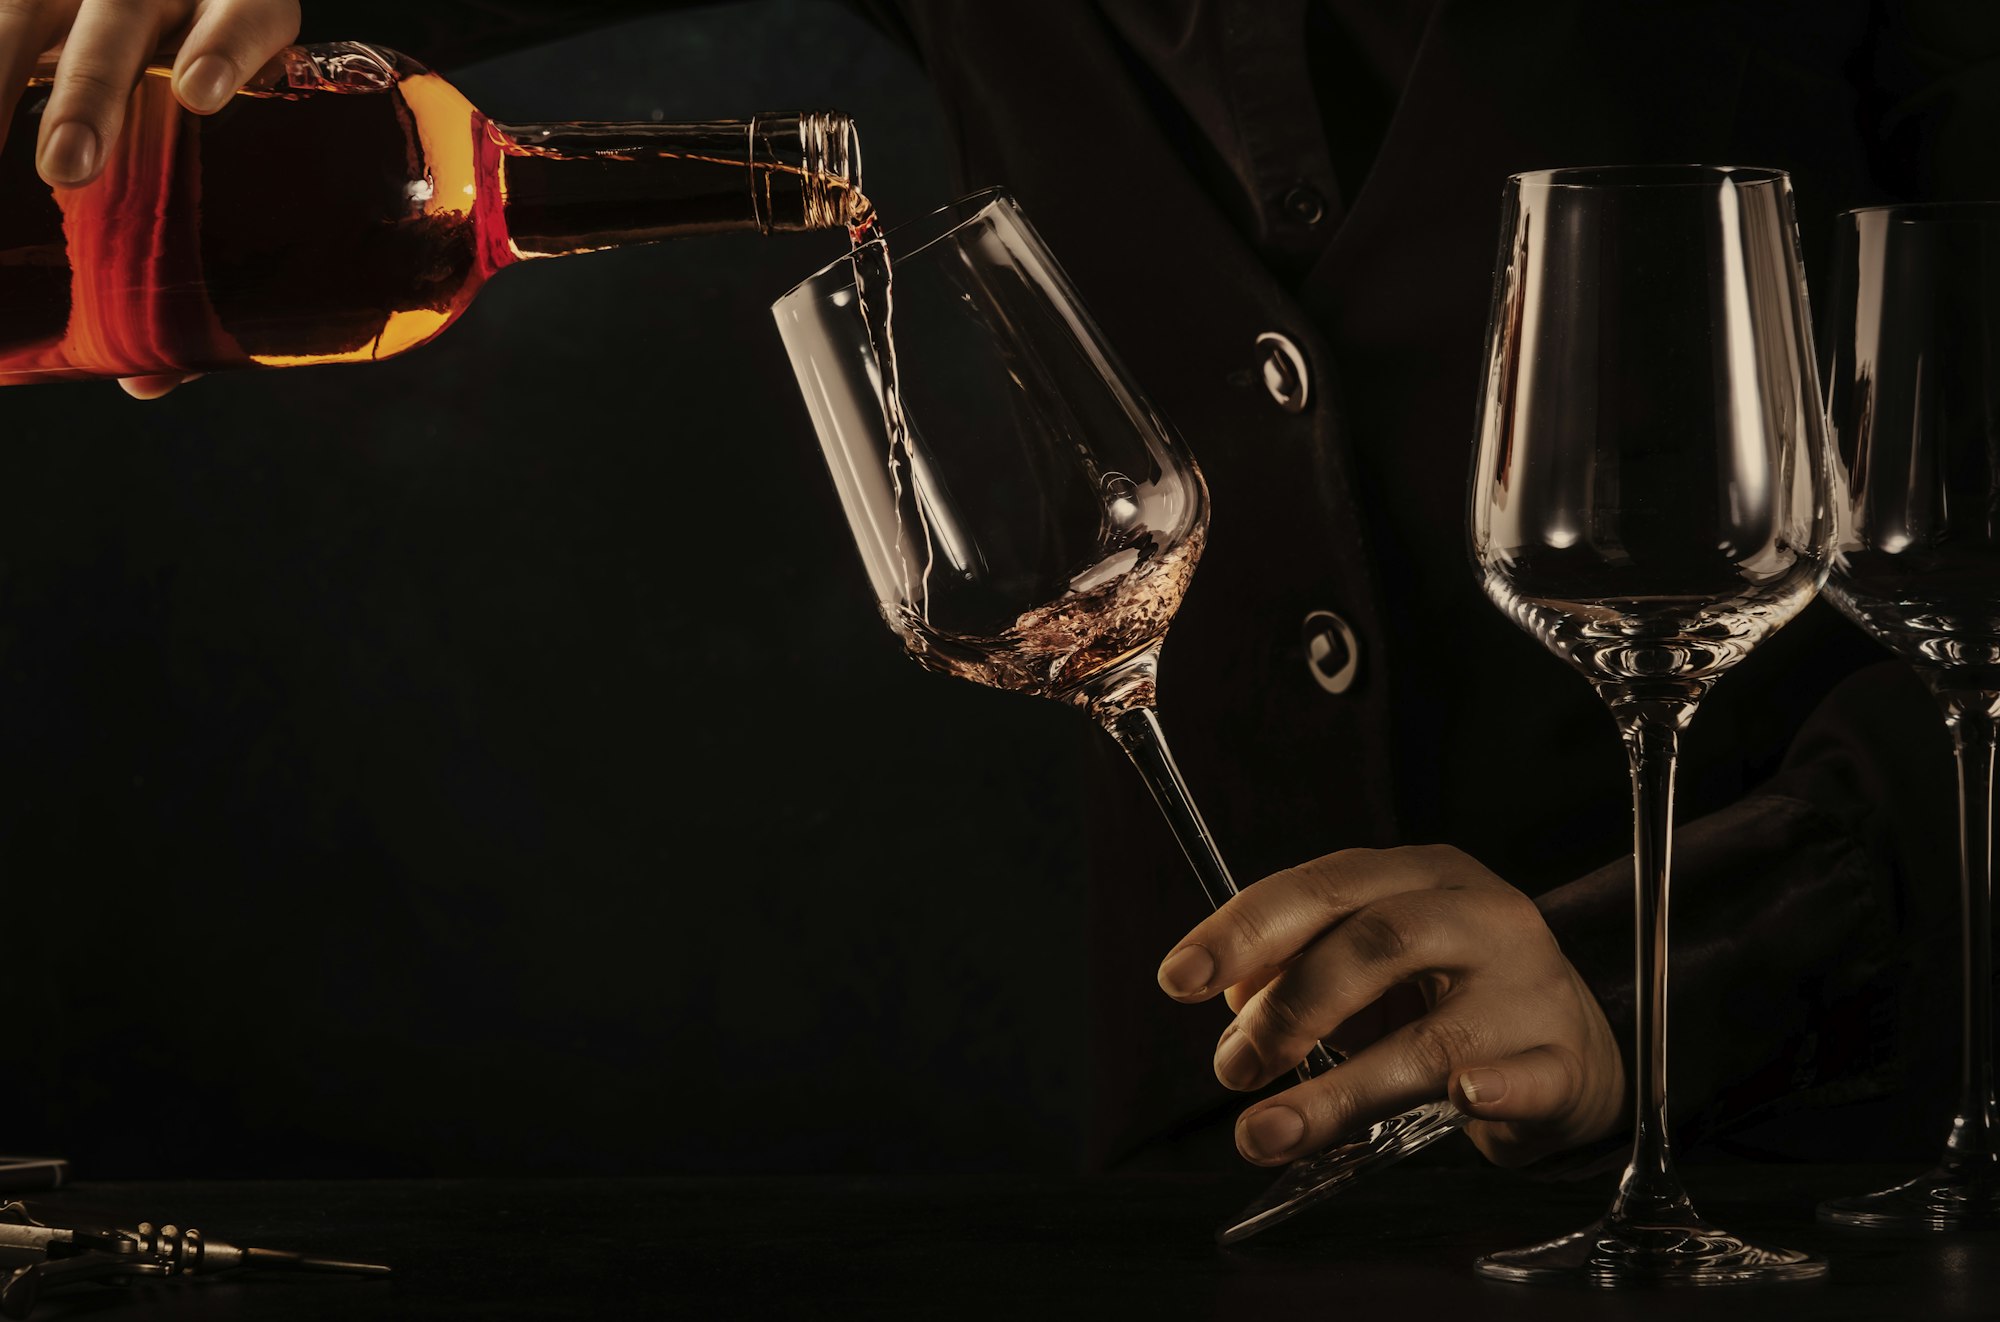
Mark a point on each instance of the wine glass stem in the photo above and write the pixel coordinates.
(1651, 1189)
(1137, 730)
(1970, 717)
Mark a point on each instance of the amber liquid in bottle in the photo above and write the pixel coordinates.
(348, 207)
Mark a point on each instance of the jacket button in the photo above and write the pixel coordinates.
(1285, 374)
(1333, 653)
(1304, 204)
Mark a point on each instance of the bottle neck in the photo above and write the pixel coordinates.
(570, 188)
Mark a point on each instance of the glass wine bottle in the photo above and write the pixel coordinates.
(347, 206)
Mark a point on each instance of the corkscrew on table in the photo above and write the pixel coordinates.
(36, 1256)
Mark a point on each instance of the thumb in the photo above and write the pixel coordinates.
(1527, 1101)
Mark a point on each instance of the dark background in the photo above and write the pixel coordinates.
(491, 760)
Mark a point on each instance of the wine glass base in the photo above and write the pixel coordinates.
(1950, 1197)
(1309, 1179)
(1623, 1254)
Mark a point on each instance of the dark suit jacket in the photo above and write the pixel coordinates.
(1814, 896)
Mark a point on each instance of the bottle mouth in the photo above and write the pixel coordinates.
(823, 147)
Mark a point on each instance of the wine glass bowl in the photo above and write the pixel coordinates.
(1914, 406)
(1650, 500)
(1914, 410)
(1642, 504)
(1041, 522)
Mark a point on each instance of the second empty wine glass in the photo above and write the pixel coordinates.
(1034, 525)
(1916, 419)
(1649, 501)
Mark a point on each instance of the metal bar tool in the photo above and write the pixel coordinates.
(36, 1255)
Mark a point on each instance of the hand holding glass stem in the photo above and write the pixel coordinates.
(1033, 525)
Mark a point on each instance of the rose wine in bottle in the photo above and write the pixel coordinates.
(347, 206)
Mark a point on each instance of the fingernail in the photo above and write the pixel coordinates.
(70, 153)
(1187, 971)
(1236, 1063)
(1482, 1086)
(146, 388)
(207, 83)
(1270, 1133)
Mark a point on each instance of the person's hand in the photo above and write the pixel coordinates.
(105, 44)
(1438, 978)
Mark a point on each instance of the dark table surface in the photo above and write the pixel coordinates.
(880, 1247)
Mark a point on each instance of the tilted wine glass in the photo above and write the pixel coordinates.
(1034, 525)
(1915, 415)
(1649, 499)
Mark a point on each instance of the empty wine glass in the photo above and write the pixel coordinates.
(1915, 413)
(1649, 500)
(1026, 518)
